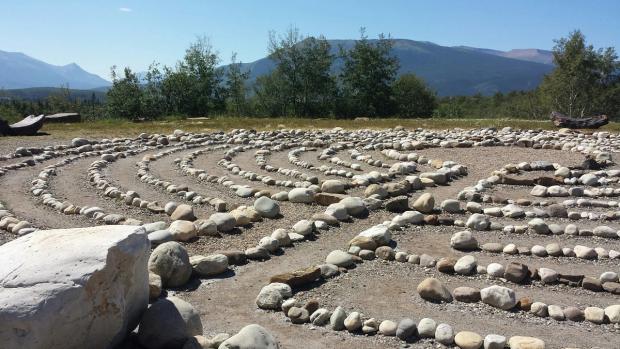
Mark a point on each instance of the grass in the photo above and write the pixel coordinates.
(110, 128)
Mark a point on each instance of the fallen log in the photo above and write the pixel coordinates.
(563, 121)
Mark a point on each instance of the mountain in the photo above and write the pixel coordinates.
(525, 54)
(18, 70)
(38, 93)
(449, 70)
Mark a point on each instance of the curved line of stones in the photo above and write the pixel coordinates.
(8, 220)
(40, 190)
(145, 176)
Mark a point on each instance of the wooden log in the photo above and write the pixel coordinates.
(564, 121)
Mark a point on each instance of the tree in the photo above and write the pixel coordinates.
(124, 98)
(270, 97)
(581, 76)
(194, 86)
(303, 73)
(412, 97)
(153, 101)
(367, 76)
(236, 89)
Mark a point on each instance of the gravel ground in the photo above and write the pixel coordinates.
(378, 289)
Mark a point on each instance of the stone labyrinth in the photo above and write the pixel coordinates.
(338, 239)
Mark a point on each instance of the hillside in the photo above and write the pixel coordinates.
(18, 70)
(449, 70)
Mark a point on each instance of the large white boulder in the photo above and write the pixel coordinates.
(73, 288)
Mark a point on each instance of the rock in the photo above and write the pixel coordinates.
(76, 273)
(388, 328)
(451, 206)
(169, 322)
(406, 329)
(433, 290)
(463, 241)
(557, 210)
(573, 314)
(257, 253)
(518, 342)
(171, 262)
(466, 265)
(301, 195)
(539, 226)
(608, 276)
(477, 221)
(298, 277)
(397, 204)
(444, 334)
(592, 284)
(426, 328)
(605, 232)
(425, 203)
(339, 258)
(336, 321)
(539, 191)
(170, 207)
(516, 272)
(613, 313)
(159, 237)
(363, 242)
(556, 313)
(183, 212)
(234, 257)
(446, 265)
(376, 189)
(271, 296)
(353, 322)
(539, 309)
(333, 186)
(585, 252)
(499, 297)
(304, 227)
(468, 340)
(154, 286)
(379, 233)
(612, 287)
(495, 270)
(494, 341)
(326, 199)
(225, 221)
(182, 230)
(466, 294)
(298, 315)
(267, 207)
(355, 206)
(595, 315)
(251, 337)
(320, 317)
(210, 265)
(548, 276)
(385, 253)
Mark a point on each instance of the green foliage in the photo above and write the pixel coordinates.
(413, 98)
(236, 89)
(580, 84)
(124, 99)
(367, 78)
(301, 84)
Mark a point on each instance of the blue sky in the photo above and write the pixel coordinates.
(99, 34)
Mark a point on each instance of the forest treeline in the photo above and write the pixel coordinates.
(585, 81)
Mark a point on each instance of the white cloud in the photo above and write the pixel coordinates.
(125, 9)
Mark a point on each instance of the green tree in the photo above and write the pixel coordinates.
(303, 73)
(367, 76)
(124, 99)
(236, 89)
(413, 98)
(581, 76)
(270, 98)
(153, 101)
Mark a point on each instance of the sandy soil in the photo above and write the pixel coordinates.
(384, 290)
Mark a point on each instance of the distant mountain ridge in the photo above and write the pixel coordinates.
(458, 70)
(18, 70)
(452, 70)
